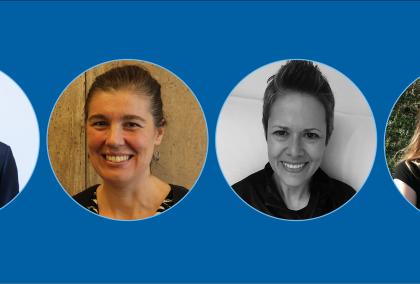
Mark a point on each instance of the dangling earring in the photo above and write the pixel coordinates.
(156, 156)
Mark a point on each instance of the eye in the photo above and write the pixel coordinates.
(132, 125)
(281, 133)
(99, 124)
(312, 135)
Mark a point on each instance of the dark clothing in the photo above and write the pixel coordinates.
(409, 173)
(87, 198)
(9, 185)
(260, 191)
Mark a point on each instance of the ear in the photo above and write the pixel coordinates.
(160, 131)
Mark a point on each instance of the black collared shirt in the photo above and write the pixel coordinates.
(260, 191)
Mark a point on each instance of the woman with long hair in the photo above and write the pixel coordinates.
(407, 172)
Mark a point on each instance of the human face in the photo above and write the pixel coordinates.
(296, 134)
(121, 136)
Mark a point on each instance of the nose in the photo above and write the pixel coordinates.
(115, 136)
(294, 148)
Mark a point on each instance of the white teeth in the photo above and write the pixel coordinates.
(293, 166)
(117, 159)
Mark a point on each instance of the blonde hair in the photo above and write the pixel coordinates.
(412, 151)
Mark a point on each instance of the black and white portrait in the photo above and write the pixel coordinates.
(296, 139)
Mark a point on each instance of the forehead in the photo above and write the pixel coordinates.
(300, 110)
(120, 101)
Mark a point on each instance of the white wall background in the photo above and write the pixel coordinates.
(241, 147)
(18, 127)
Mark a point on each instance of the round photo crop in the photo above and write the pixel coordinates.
(296, 139)
(19, 141)
(402, 144)
(127, 139)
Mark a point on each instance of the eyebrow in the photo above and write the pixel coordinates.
(306, 129)
(132, 116)
(312, 129)
(125, 117)
(96, 116)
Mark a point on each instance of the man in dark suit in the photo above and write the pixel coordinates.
(9, 185)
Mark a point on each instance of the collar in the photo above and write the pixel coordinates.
(274, 201)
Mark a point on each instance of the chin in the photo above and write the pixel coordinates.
(116, 180)
(295, 183)
(293, 180)
(113, 178)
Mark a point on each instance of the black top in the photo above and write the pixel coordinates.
(260, 191)
(409, 173)
(87, 198)
(9, 185)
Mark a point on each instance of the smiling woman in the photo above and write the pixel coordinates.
(125, 125)
(298, 122)
(121, 135)
(296, 142)
(298, 114)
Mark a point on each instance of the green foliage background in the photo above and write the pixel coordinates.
(401, 124)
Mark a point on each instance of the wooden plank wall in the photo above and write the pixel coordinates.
(183, 149)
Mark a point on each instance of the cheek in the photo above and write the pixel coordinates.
(316, 151)
(93, 139)
(143, 142)
(274, 148)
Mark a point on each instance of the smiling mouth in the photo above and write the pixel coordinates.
(117, 158)
(294, 167)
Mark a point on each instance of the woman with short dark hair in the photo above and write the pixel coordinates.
(298, 119)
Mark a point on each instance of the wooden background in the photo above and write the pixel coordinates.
(182, 151)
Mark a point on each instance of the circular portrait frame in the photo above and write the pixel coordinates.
(182, 152)
(401, 149)
(21, 137)
(240, 138)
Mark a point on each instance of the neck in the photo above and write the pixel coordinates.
(139, 199)
(295, 197)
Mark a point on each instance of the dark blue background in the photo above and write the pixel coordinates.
(212, 235)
